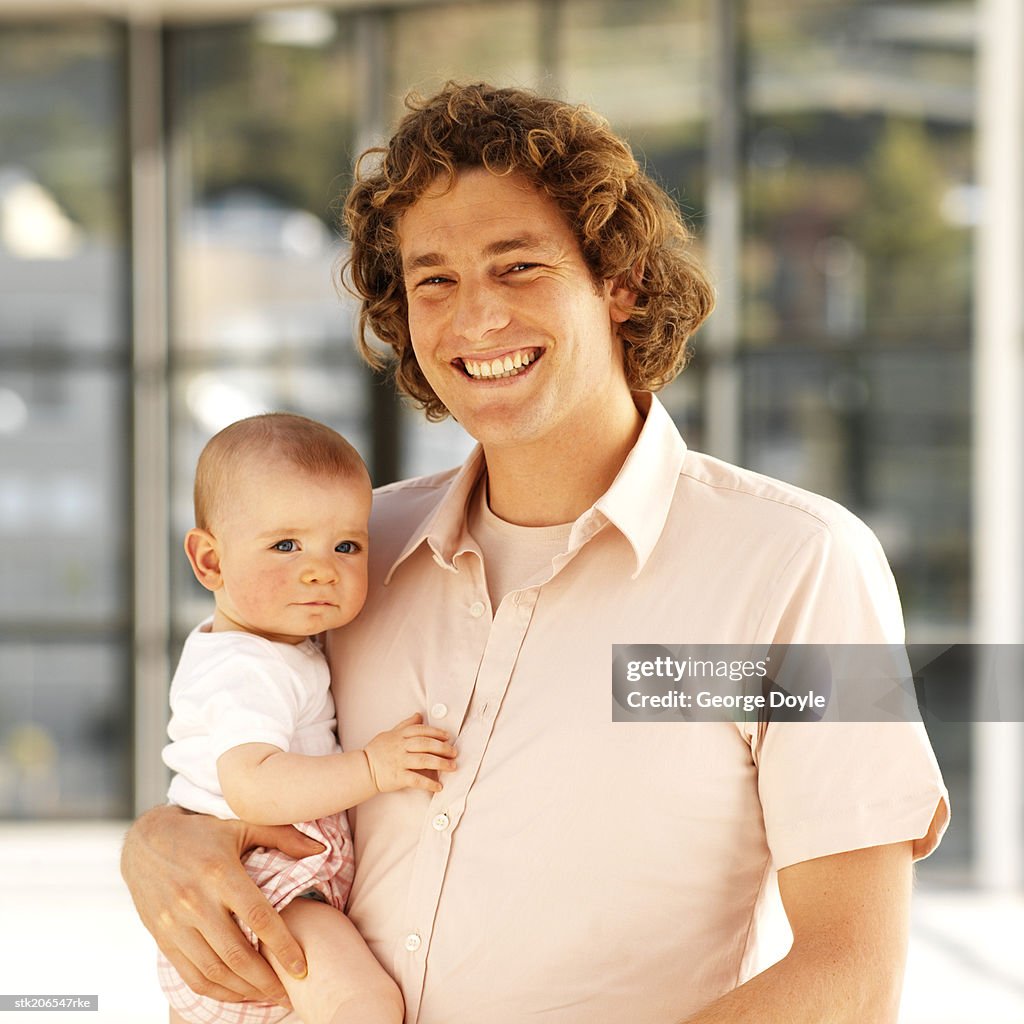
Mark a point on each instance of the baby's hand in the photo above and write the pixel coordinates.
(399, 756)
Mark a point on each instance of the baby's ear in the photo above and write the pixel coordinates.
(204, 557)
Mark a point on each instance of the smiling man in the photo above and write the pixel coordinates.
(533, 283)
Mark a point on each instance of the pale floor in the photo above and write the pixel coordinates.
(67, 926)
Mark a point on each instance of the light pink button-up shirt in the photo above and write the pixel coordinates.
(579, 870)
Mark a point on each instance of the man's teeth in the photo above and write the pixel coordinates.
(507, 366)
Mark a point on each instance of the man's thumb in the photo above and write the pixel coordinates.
(285, 838)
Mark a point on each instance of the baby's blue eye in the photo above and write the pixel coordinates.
(347, 547)
(284, 545)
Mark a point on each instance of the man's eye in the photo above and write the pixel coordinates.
(518, 268)
(347, 547)
(284, 545)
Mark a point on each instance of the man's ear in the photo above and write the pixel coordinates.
(204, 557)
(622, 298)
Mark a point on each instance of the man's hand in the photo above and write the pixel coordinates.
(398, 757)
(185, 875)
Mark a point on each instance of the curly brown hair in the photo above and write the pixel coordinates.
(627, 228)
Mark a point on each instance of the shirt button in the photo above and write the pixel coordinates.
(476, 609)
(413, 942)
(439, 711)
(441, 822)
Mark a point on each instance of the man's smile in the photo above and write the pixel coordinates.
(510, 364)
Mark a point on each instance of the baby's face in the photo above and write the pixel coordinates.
(293, 552)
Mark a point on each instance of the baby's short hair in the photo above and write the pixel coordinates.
(305, 444)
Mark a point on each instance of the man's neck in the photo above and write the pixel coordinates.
(551, 483)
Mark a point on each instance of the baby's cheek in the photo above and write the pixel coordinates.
(264, 591)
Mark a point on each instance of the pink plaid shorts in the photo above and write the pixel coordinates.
(281, 879)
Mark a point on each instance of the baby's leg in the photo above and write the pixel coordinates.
(345, 984)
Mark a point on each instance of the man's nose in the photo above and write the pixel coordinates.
(479, 309)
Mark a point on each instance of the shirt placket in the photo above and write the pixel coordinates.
(495, 643)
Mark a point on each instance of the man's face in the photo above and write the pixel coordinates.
(506, 321)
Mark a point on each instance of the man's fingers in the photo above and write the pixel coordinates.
(198, 964)
(272, 932)
(233, 963)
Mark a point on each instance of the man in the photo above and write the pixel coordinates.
(534, 284)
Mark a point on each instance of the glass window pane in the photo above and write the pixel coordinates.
(859, 190)
(646, 67)
(65, 731)
(267, 128)
(62, 188)
(63, 502)
(496, 43)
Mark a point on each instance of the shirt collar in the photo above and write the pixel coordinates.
(640, 497)
(637, 503)
(444, 529)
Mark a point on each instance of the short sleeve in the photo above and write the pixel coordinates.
(829, 787)
(244, 699)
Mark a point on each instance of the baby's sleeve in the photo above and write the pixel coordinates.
(243, 698)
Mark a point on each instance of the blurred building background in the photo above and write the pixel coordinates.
(169, 181)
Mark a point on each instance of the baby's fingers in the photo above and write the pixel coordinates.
(431, 762)
(426, 731)
(413, 780)
(426, 745)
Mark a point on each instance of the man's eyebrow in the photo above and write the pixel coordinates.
(507, 245)
(499, 248)
(427, 259)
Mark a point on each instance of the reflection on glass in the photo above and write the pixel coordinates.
(61, 219)
(63, 517)
(496, 43)
(65, 731)
(859, 147)
(267, 115)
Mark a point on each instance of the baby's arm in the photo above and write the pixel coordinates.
(265, 785)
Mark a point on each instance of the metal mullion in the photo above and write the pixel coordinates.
(723, 412)
(998, 435)
(150, 484)
(374, 32)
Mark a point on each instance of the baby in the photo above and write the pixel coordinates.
(282, 505)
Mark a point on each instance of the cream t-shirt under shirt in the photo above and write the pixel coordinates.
(513, 555)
